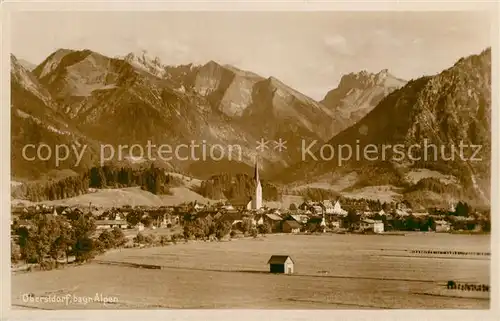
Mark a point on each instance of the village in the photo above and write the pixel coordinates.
(307, 217)
(42, 233)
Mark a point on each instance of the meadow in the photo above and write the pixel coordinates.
(339, 271)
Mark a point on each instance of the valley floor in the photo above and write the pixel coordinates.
(331, 271)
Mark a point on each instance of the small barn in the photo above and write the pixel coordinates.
(281, 264)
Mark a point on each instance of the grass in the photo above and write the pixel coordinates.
(115, 197)
(383, 193)
(332, 271)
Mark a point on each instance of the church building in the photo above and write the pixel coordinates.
(256, 202)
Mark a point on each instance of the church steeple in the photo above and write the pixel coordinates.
(256, 171)
(257, 199)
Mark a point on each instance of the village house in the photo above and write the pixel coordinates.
(198, 207)
(72, 211)
(316, 209)
(334, 222)
(370, 225)
(256, 219)
(401, 212)
(227, 207)
(167, 220)
(420, 214)
(259, 219)
(328, 207)
(182, 209)
(22, 223)
(238, 203)
(463, 218)
(305, 206)
(299, 218)
(281, 264)
(118, 217)
(209, 215)
(274, 211)
(233, 217)
(291, 226)
(274, 220)
(338, 210)
(109, 224)
(100, 214)
(18, 210)
(442, 226)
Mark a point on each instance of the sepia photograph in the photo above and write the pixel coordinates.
(279, 160)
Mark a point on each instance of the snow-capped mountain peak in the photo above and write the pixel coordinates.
(146, 62)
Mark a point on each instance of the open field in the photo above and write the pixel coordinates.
(112, 197)
(383, 193)
(332, 271)
(116, 197)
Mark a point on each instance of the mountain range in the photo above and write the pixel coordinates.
(135, 98)
(449, 109)
(84, 96)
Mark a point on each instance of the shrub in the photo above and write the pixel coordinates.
(222, 229)
(119, 238)
(99, 247)
(164, 240)
(139, 238)
(150, 239)
(107, 239)
(15, 253)
(86, 249)
(177, 237)
(265, 228)
(47, 265)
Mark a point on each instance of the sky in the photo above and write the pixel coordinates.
(309, 51)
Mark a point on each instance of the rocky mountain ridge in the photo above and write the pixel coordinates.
(134, 99)
(445, 110)
(358, 93)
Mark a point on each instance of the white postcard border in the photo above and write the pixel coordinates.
(242, 315)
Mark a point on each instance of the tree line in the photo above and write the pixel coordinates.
(152, 179)
(317, 194)
(235, 186)
(206, 227)
(49, 238)
(434, 185)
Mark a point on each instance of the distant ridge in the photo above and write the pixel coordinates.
(451, 107)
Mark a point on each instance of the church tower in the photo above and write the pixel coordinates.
(257, 199)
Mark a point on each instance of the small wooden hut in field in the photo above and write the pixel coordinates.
(281, 264)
